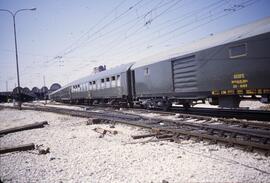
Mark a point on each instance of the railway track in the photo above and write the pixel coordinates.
(251, 135)
(258, 115)
(228, 113)
(224, 119)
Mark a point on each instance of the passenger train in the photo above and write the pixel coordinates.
(224, 69)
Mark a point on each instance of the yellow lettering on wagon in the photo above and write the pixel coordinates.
(239, 76)
(240, 92)
(243, 86)
(239, 81)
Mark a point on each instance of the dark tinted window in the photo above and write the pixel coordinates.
(238, 51)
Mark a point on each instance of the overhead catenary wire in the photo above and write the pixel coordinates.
(158, 37)
(86, 34)
(107, 24)
(164, 24)
(129, 22)
(121, 26)
(141, 28)
(200, 25)
(70, 51)
(93, 27)
(148, 22)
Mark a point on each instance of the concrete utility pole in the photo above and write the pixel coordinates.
(16, 49)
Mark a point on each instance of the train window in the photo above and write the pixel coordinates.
(90, 85)
(102, 85)
(113, 82)
(94, 87)
(238, 51)
(108, 83)
(118, 80)
(146, 71)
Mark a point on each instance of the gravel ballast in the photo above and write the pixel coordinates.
(78, 154)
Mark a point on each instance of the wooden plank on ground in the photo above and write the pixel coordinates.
(24, 147)
(143, 136)
(24, 127)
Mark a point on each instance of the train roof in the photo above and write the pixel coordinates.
(103, 74)
(114, 71)
(235, 34)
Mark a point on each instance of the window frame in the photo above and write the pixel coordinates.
(240, 55)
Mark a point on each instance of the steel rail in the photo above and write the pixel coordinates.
(251, 138)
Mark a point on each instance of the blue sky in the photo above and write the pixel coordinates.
(64, 39)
